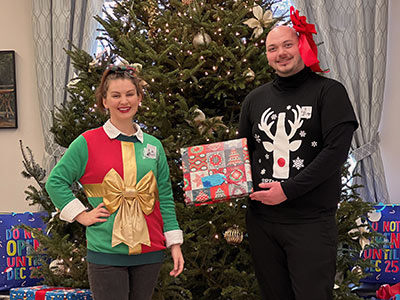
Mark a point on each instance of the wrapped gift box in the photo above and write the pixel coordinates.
(386, 259)
(16, 248)
(216, 172)
(44, 292)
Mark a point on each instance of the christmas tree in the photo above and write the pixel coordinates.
(199, 60)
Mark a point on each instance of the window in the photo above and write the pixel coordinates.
(282, 7)
(108, 5)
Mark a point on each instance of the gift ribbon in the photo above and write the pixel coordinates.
(307, 47)
(41, 294)
(132, 200)
(386, 291)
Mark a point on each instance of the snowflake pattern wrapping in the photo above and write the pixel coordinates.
(216, 172)
(49, 293)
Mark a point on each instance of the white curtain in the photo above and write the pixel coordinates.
(55, 23)
(354, 33)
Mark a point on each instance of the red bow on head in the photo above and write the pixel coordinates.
(307, 47)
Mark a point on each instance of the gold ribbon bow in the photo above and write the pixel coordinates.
(132, 199)
(130, 225)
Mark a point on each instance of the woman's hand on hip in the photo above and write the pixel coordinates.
(97, 214)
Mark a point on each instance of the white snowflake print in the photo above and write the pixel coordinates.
(289, 107)
(314, 144)
(257, 137)
(298, 163)
(267, 156)
(274, 117)
(262, 171)
(302, 133)
(259, 160)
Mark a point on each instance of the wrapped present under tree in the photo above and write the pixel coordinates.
(44, 292)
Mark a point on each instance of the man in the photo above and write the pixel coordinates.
(299, 129)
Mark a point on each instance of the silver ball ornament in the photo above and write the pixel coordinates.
(57, 266)
(249, 75)
(201, 39)
(357, 270)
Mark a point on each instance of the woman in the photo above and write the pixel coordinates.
(125, 175)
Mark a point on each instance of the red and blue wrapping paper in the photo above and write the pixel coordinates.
(44, 292)
(216, 172)
(16, 245)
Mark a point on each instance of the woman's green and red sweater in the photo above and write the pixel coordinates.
(88, 159)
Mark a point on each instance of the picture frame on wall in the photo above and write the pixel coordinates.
(8, 90)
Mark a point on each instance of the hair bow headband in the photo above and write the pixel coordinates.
(130, 69)
(307, 47)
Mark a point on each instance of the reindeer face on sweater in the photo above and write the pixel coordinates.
(282, 141)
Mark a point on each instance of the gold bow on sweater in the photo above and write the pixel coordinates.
(133, 201)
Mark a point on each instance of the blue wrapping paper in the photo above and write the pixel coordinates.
(386, 260)
(32, 293)
(16, 244)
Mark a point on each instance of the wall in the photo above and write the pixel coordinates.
(390, 124)
(16, 34)
(15, 30)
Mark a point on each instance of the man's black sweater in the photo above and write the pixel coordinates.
(299, 129)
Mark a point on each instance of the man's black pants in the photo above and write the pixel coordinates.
(293, 261)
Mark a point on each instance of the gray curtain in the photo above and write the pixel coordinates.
(55, 23)
(354, 34)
